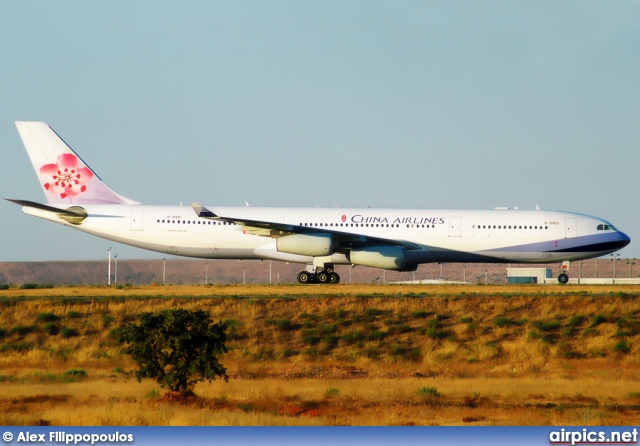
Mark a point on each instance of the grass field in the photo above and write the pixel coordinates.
(318, 355)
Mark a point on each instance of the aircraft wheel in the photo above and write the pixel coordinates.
(334, 278)
(563, 278)
(304, 277)
(322, 277)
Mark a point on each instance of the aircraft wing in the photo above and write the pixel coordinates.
(276, 229)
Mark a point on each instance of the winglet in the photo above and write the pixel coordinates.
(202, 211)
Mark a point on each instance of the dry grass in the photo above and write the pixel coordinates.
(354, 355)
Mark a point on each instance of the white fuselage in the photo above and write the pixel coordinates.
(439, 235)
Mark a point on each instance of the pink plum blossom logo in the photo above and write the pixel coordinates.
(67, 177)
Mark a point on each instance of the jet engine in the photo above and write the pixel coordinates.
(306, 244)
(385, 257)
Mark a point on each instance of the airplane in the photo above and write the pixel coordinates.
(320, 238)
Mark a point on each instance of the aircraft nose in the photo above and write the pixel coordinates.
(623, 240)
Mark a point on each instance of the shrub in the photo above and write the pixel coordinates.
(622, 322)
(17, 346)
(433, 333)
(622, 347)
(284, 325)
(46, 317)
(51, 329)
(310, 337)
(399, 329)
(370, 314)
(548, 326)
(287, 353)
(22, 330)
(4, 286)
(597, 320)
(428, 391)
(501, 321)
(115, 333)
(332, 391)
(575, 321)
(29, 286)
(176, 347)
(231, 326)
(376, 335)
(74, 314)
(107, 320)
(352, 338)
(76, 372)
(67, 332)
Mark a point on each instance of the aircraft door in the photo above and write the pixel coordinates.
(570, 228)
(136, 220)
(455, 225)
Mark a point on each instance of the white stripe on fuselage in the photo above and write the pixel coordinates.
(449, 234)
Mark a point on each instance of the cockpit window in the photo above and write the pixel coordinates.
(606, 228)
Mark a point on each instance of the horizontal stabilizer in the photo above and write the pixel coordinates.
(71, 212)
(74, 214)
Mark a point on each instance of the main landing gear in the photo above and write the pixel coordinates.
(325, 275)
(564, 277)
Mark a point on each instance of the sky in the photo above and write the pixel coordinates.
(412, 104)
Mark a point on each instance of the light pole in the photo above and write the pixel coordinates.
(206, 272)
(631, 262)
(115, 269)
(579, 271)
(270, 272)
(614, 258)
(164, 271)
(109, 269)
(464, 272)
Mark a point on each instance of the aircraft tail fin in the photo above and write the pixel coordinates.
(65, 178)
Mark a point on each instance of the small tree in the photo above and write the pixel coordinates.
(176, 347)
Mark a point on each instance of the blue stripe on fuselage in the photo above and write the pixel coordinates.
(609, 241)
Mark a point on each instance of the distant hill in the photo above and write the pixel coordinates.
(179, 272)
